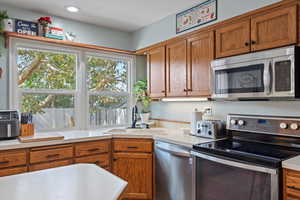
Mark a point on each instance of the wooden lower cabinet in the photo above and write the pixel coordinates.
(102, 160)
(136, 169)
(13, 171)
(49, 165)
(291, 184)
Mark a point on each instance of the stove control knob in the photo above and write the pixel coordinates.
(294, 126)
(241, 122)
(233, 122)
(283, 125)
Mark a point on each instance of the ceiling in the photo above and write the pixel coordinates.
(125, 15)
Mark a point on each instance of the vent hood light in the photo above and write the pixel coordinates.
(184, 99)
(72, 9)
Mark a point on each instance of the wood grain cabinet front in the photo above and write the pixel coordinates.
(176, 69)
(49, 165)
(133, 162)
(200, 53)
(136, 169)
(156, 71)
(102, 160)
(12, 171)
(291, 186)
(274, 29)
(12, 158)
(50, 153)
(90, 148)
(133, 145)
(233, 39)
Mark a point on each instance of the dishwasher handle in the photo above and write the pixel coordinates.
(174, 151)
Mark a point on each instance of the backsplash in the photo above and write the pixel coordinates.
(181, 111)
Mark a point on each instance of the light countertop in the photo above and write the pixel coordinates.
(74, 182)
(175, 136)
(293, 163)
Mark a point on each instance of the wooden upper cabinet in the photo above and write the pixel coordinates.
(176, 69)
(156, 60)
(136, 169)
(200, 52)
(233, 39)
(274, 29)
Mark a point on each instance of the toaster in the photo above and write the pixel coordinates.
(213, 129)
(9, 124)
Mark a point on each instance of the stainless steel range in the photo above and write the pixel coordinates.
(248, 164)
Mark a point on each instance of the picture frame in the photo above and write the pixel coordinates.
(198, 15)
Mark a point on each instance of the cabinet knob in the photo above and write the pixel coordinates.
(253, 42)
(246, 44)
(163, 91)
(185, 90)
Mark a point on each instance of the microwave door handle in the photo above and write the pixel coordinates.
(268, 78)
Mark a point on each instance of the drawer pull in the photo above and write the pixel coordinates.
(132, 147)
(52, 155)
(293, 188)
(93, 150)
(4, 162)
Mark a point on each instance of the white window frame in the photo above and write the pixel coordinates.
(80, 93)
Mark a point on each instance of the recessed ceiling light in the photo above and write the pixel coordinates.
(72, 9)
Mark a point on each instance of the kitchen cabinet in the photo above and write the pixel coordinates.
(176, 69)
(266, 30)
(13, 162)
(156, 67)
(274, 29)
(291, 184)
(49, 165)
(135, 165)
(233, 39)
(200, 52)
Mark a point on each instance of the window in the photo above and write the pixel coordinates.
(107, 81)
(66, 88)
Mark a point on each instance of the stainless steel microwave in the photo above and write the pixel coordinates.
(262, 75)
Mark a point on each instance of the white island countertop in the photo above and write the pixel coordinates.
(292, 163)
(74, 182)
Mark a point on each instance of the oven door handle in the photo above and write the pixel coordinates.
(235, 164)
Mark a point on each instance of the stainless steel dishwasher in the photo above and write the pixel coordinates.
(173, 172)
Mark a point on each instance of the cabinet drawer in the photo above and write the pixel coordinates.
(89, 148)
(38, 155)
(132, 145)
(12, 171)
(50, 165)
(101, 160)
(12, 158)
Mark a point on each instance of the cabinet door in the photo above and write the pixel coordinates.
(156, 60)
(176, 69)
(200, 53)
(136, 169)
(274, 29)
(233, 39)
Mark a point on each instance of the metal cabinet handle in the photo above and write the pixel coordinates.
(253, 42)
(4, 162)
(294, 188)
(247, 44)
(93, 150)
(114, 159)
(163, 91)
(52, 155)
(185, 90)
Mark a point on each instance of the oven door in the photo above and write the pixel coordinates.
(252, 79)
(222, 179)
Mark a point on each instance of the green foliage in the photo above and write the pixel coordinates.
(3, 15)
(140, 91)
(56, 71)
